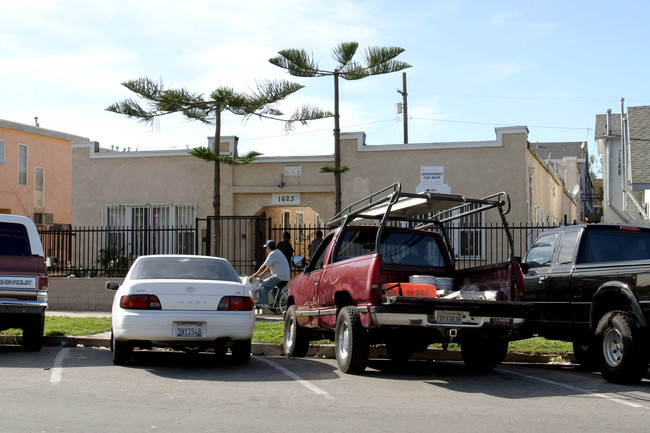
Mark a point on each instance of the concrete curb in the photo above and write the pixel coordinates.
(315, 351)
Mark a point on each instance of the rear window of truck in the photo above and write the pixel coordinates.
(397, 248)
(14, 240)
(614, 245)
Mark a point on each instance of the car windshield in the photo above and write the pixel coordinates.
(183, 268)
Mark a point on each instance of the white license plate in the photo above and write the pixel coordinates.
(450, 317)
(189, 329)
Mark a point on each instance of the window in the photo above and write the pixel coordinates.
(22, 165)
(567, 248)
(286, 219)
(39, 190)
(411, 249)
(356, 243)
(541, 253)
(467, 235)
(14, 240)
(2, 152)
(300, 224)
(138, 229)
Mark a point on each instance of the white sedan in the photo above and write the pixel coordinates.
(187, 302)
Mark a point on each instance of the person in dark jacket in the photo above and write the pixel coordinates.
(285, 246)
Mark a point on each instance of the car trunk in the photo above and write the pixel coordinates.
(197, 295)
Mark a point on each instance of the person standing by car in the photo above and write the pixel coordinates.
(315, 243)
(275, 263)
(285, 247)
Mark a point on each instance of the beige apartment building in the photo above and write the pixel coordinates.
(122, 189)
(108, 181)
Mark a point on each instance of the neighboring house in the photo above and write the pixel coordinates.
(153, 189)
(570, 161)
(36, 173)
(624, 143)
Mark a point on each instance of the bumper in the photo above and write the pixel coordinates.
(22, 307)
(157, 327)
(449, 314)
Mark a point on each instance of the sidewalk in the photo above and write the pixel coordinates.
(266, 349)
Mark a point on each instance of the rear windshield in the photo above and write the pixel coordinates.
(14, 240)
(183, 268)
(614, 245)
(397, 248)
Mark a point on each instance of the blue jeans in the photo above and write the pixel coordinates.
(265, 287)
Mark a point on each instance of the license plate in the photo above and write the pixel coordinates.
(449, 317)
(189, 329)
(500, 321)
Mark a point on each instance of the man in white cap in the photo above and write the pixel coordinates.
(275, 263)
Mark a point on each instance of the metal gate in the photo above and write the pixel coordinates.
(237, 239)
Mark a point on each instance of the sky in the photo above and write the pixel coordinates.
(476, 65)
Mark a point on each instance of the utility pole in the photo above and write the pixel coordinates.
(404, 108)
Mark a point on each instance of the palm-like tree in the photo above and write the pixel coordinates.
(376, 61)
(261, 102)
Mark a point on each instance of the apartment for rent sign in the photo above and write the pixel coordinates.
(432, 175)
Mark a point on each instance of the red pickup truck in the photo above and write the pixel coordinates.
(23, 279)
(393, 281)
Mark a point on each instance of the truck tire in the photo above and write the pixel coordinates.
(241, 352)
(296, 339)
(121, 351)
(623, 354)
(351, 341)
(481, 353)
(33, 334)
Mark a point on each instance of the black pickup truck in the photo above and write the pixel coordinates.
(590, 285)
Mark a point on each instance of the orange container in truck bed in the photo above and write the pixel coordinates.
(410, 289)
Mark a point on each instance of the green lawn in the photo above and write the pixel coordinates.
(265, 332)
(271, 332)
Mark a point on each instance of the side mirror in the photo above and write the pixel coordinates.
(298, 261)
(51, 262)
(112, 285)
(525, 267)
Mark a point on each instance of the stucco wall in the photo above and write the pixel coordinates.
(80, 294)
(474, 169)
(48, 150)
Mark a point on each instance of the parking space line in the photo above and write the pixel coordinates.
(574, 388)
(310, 386)
(57, 368)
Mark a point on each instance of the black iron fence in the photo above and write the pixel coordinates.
(109, 252)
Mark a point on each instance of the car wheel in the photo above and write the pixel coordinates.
(296, 339)
(622, 355)
(351, 341)
(481, 353)
(33, 334)
(121, 351)
(241, 351)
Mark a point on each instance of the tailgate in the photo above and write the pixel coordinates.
(449, 313)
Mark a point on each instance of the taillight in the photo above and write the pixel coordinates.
(140, 302)
(630, 229)
(43, 283)
(236, 303)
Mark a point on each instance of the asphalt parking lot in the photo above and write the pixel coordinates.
(76, 389)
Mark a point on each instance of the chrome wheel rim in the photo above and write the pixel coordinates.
(343, 343)
(290, 334)
(613, 347)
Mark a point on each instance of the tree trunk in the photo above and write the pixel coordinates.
(337, 147)
(216, 197)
